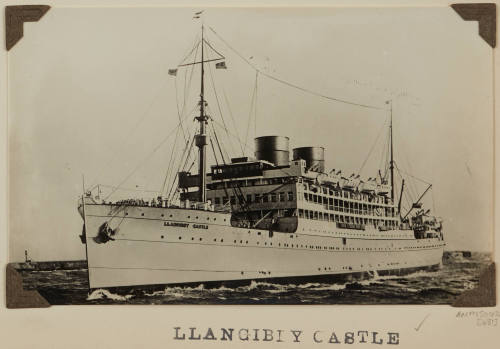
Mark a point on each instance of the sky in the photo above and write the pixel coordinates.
(90, 94)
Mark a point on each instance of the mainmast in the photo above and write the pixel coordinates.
(391, 166)
(201, 138)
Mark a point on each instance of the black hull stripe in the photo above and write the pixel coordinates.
(297, 280)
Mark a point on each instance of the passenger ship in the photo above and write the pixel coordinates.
(266, 217)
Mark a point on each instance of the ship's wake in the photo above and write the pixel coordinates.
(100, 294)
(269, 292)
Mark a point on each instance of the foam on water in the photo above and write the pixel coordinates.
(421, 287)
(105, 294)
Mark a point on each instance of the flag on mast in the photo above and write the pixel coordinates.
(220, 65)
(172, 72)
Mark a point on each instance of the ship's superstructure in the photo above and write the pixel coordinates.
(271, 216)
(271, 192)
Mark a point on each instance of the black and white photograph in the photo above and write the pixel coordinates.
(250, 155)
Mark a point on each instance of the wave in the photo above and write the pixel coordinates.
(105, 294)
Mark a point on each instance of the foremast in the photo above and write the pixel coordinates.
(391, 165)
(201, 139)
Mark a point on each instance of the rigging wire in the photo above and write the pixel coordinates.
(129, 189)
(209, 45)
(195, 45)
(143, 161)
(371, 149)
(412, 193)
(170, 162)
(143, 117)
(385, 156)
(218, 144)
(177, 105)
(182, 165)
(252, 107)
(213, 149)
(291, 84)
(433, 203)
(169, 169)
(256, 104)
(216, 161)
(236, 189)
(418, 179)
(412, 185)
(179, 113)
(187, 85)
(219, 107)
(125, 140)
(232, 135)
(234, 122)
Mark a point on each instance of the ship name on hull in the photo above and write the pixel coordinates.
(176, 224)
(185, 225)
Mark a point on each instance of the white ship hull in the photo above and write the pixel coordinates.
(155, 245)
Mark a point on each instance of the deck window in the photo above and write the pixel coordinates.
(273, 197)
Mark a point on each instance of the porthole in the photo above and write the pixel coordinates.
(162, 236)
(180, 238)
(189, 217)
(162, 215)
(201, 239)
(192, 238)
(142, 214)
(126, 213)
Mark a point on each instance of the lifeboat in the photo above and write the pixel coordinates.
(383, 189)
(368, 187)
(351, 183)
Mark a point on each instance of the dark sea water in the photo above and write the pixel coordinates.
(458, 274)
